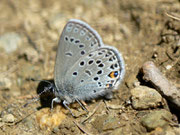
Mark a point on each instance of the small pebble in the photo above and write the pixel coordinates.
(10, 41)
(5, 82)
(50, 120)
(8, 118)
(107, 122)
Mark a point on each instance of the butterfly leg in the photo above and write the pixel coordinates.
(57, 100)
(65, 103)
(83, 107)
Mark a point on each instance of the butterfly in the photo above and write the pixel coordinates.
(85, 68)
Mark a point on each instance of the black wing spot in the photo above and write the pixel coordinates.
(81, 46)
(90, 62)
(110, 53)
(99, 83)
(107, 55)
(101, 65)
(68, 54)
(99, 72)
(88, 72)
(71, 39)
(66, 38)
(93, 43)
(90, 55)
(103, 51)
(82, 63)
(82, 81)
(82, 52)
(100, 53)
(96, 78)
(114, 57)
(98, 61)
(116, 65)
(94, 91)
(112, 66)
(111, 59)
(77, 41)
(75, 73)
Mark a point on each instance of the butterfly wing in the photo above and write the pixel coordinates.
(97, 73)
(77, 40)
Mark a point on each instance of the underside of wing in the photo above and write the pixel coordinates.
(97, 73)
(76, 41)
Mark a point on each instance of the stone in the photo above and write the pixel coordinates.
(50, 120)
(144, 97)
(106, 122)
(8, 118)
(156, 119)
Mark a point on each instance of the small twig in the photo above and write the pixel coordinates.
(160, 82)
(10, 70)
(112, 106)
(92, 113)
(25, 97)
(17, 122)
(172, 16)
(82, 128)
(172, 123)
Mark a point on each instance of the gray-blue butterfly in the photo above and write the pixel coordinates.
(85, 68)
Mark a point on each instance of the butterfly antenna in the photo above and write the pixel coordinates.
(46, 89)
(34, 80)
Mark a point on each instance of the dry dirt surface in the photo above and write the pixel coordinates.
(141, 30)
